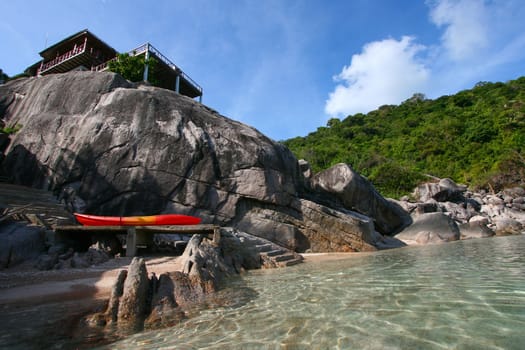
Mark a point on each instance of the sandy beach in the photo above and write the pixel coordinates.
(25, 285)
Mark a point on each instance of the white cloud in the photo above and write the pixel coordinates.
(480, 40)
(466, 23)
(386, 72)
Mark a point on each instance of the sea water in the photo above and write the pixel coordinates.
(460, 295)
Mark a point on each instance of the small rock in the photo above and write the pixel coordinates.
(475, 229)
(515, 192)
(508, 226)
(428, 207)
(494, 200)
(46, 262)
(518, 200)
(79, 262)
(57, 249)
(479, 220)
(67, 254)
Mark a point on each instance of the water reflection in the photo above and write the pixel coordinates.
(467, 294)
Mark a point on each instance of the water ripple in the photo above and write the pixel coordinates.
(463, 295)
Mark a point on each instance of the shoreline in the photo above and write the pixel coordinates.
(24, 285)
(322, 257)
(27, 286)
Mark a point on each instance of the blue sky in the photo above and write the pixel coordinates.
(284, 66)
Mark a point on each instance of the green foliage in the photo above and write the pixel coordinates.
(3, 77)
(10, 129)
(132, 67)
(475, 137)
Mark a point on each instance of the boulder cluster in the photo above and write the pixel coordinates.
(445, 211)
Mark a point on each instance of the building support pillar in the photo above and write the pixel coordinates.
(177, 83)
(146, 64)
(131, 241)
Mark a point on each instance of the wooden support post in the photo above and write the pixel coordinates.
(143, 239)
(131, 242)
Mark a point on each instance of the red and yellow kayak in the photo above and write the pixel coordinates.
(152, 220)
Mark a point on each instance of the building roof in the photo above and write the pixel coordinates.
(53, 47)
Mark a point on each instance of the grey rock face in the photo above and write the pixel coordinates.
(445, 190)
(132, 305)
(115, 149)
(356, 193)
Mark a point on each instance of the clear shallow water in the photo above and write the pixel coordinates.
(461, 295)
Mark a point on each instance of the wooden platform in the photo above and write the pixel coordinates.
(140, 236)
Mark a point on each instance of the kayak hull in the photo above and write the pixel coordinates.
(151, 220)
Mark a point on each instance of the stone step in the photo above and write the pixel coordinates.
(283, 257)
(292, 262)
(274, 252)
(264, 247)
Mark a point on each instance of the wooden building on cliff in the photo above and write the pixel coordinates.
(84, 51)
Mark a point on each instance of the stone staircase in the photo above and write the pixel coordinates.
(33, 205)
(272, 255)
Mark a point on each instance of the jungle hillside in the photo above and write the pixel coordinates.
(475, 137)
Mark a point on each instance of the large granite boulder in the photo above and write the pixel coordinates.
(358, 194)
(430, 228)
(113, 148)
(445, 190)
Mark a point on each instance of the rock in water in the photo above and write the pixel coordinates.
(116, 293)
(133, 303)
(114, 148)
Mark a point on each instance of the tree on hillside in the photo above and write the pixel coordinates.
(3, 77)
(475, 137)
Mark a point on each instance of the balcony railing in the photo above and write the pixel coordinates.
(148, 47)
(77, 50)
(145, 47)
(103, 66)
